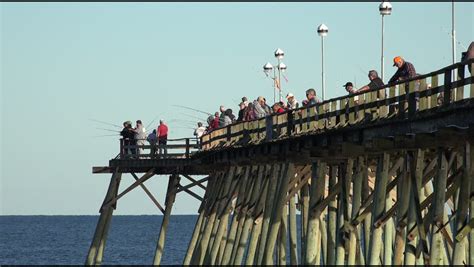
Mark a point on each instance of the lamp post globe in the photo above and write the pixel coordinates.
(323, 30)
(282, 67)
(267, 68)
(385, 8)
(279, 54)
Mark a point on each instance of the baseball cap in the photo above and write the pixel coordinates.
(289, 95)
(396, 59)
(348, 84)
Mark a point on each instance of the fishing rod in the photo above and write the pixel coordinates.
(115, 131)
(207, 113)
(184, 127)
(196, 117)
(111, 124)
(149, 124)
(107, 135)
(187, 121)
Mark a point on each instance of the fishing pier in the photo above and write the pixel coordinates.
(384, 176)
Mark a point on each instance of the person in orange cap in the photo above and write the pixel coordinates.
(405, 70)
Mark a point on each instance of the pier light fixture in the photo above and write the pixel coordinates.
(267, 68)
(281, 67)
(385, 8)
(279, 54)
(323, 32)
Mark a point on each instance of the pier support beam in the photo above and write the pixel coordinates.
(313, 235)
(170, 197)
(378, 207)
(98, 242)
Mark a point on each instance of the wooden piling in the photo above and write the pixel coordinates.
(231, 236)
(248, 218)
(471, 202)
(199, 224)
(312, 244)
(270, 198)
(198, 256)
(436, 253)
(293, 231)
(463, 207)
(332, 218)
(286, 173)
(378, 208)
(403, 198)
(223, 211)
(104, 219)
(170, 197)
(368, 218)
(282, 241)
(257, 220)
(242, 217)
(356, 202)
(194, 238)
(304, 204)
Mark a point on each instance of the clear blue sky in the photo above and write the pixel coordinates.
(63, 64)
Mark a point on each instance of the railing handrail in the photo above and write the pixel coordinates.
(408, 95)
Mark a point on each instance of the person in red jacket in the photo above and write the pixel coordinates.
(162, 135)
(215, 122)
(277, 108)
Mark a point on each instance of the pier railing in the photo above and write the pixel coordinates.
(181, 148)
(408, 99)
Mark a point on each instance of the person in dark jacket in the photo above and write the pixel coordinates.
(128, 136)
(405, 71)
(375, 82)
(242, 106)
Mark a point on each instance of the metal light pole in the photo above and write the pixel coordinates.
(385, 8)
(323, 31)
(279, 54)
(453, 33)
(267, 68)
(281, 68)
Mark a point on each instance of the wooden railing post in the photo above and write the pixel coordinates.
(187, 148)
(448, 84)
(121, 148)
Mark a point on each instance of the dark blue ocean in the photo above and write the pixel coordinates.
(66, 239)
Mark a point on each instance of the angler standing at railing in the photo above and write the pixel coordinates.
(261, 108)
(405, 70)
(310, 97)
(128, 137)
(140, 136)
(292, 102)
(222, 116)
(162, 132)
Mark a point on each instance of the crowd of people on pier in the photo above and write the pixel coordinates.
(259, 108)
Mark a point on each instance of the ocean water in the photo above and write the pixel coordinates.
(29, 240)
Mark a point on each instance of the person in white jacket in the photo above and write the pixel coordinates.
(140, 136)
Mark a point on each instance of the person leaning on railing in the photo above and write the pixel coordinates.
(162, 137)
(405, 70)
(128, 137)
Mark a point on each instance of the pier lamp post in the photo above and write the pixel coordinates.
(279, 54)
(323, 32)
(385, 8)
(281, 67)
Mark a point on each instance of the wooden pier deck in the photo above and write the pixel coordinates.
(382, 180)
